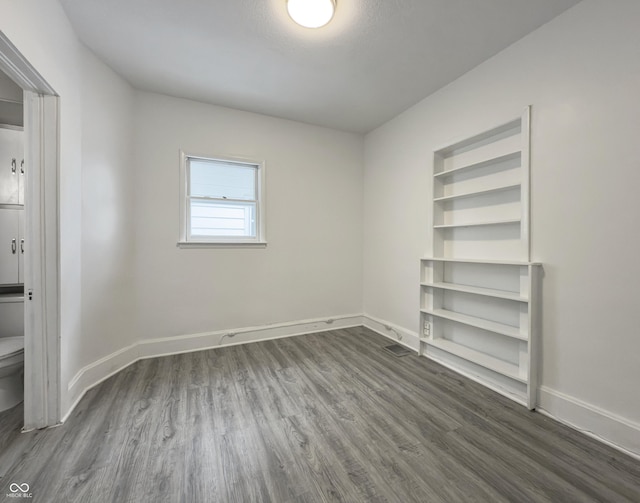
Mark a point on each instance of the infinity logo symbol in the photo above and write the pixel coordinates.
(19, 488)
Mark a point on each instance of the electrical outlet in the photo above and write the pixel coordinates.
(426, 330)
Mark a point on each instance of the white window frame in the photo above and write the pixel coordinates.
(186, 240)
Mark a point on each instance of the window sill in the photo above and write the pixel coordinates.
(221, 244)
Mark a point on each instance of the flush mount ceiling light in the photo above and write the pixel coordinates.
(311, 13)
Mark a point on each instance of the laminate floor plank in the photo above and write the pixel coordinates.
(200, 468)
(373, 462)
(319, 415)
(440, 490)
(285, 479)
(318, 418)
(339, 453)
(559, 465)
(329, 480)
(412, 460)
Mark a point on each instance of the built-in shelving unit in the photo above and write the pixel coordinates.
(479, 291)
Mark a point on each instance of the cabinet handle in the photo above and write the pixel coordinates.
(13, 166)
(22, 246)
(13, 246)
(22, 167)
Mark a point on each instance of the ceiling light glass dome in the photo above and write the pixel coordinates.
(311, 13)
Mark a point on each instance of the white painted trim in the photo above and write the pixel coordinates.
(105, 367)
(99, 371)
(396, 333)
(611, 429)
(151, 348)
(219, 244)
(42, 310)
(525, 190)
(96, 372)
(261, 204)
(20, 70)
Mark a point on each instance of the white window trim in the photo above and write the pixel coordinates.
(260, 241)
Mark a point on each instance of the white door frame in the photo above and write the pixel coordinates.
(42, 387)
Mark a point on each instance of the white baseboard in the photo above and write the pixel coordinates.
(398, 334)
(152, 348)
(93, 374)
(613, 430)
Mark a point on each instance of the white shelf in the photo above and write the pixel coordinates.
(472, 321)
(500, 366)
(479, 261)
(11, 298)
(513, 154)
(487, 292)
(476, 193)
(478, 224)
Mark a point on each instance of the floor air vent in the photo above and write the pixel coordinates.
(397, 350)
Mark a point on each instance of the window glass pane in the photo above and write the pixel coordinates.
(222, 219)
(222, 180)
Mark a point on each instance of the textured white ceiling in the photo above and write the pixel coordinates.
(374, 60)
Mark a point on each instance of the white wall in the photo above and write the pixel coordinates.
(108, 297)
(311, 267)
(581, 73)
(42, 33)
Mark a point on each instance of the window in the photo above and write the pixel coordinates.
(222, 201)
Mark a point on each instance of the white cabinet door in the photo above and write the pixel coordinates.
(11, 166)
(9, 246)
(21, 246)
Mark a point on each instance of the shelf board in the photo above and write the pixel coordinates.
(513, 127)
(479, 261)
(478, 224)
(476, 193)
(487, 292)
(512, 154)
(472, 321)
(11, 298)
(4, 206)
(484, 360)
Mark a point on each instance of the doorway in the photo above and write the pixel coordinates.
(42, 387)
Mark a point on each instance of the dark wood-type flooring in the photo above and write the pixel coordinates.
(322, 417)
